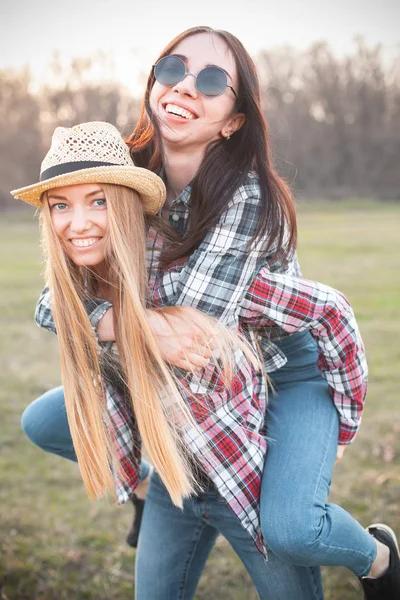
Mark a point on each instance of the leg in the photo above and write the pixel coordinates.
(173, 547)
(146, 471)
(45, 423)
(138, 500)
(274, 579)
(297, 521)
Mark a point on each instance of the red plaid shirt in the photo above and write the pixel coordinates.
(232, 446)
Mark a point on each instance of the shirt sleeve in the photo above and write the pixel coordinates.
(43, 314)
(95, 308)
(217, 274)
(295, 305)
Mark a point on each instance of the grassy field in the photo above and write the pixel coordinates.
(55, 544)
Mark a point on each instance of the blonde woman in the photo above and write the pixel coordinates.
(205, 430)
(111, 197)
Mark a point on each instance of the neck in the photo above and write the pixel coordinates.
(180, 167)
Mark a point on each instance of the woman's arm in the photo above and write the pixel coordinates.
(181, 341)
(43, 314)
(96, 308)
(296, 304)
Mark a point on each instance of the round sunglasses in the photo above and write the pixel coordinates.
(210, 82)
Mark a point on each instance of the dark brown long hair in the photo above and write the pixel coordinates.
(225, 165)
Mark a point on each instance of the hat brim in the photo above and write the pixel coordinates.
(150, 187)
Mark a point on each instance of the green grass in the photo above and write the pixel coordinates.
(55, 544)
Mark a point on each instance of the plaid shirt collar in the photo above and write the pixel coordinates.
(184, 196)
(179, 210)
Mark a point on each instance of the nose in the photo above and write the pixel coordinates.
(187, 86)
(80, 221)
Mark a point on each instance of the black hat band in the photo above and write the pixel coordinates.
(70, 167)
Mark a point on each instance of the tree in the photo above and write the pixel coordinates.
(20, 136)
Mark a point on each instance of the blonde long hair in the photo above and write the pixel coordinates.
(158, 403)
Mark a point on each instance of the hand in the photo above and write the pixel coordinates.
(181, 339)
(340, 451)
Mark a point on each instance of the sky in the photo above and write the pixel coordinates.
(131, 33)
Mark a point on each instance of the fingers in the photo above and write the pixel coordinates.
(206, 343)
(201, 350)
(192, 324)
(193, 362)
(190, 359)
(340, 452)
(183, 343)
(188, 344)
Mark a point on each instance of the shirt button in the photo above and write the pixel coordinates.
(175, 217)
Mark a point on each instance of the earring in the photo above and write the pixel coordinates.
(228, 136)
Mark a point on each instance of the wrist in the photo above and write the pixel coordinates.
(104, 330)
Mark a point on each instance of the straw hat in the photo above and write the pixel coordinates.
(92, 153)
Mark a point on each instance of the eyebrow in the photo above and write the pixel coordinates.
(65, 197)
(184, 58)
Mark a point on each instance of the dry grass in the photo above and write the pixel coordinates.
(54, 544)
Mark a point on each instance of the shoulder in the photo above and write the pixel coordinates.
(249, 191)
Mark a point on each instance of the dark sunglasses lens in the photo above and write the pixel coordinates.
(211, 82)
(169, 70)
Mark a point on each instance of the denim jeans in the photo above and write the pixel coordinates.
(45, 423)
(174, 545)
(297, 521)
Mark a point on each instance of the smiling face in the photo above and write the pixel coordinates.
(186, 117)
(80, 220)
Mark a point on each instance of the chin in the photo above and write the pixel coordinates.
(170, 136)
(82, 261)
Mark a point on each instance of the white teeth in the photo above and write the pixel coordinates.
(177, 110)
(83, 243)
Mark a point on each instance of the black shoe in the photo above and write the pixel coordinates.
(133, 535)
(387, 586)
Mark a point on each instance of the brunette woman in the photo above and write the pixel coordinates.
(202, 127)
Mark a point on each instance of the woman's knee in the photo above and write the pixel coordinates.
(294, 538)
(42, 419)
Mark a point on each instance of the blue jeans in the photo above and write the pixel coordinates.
(45, 423)
(171, 567)
(174, 546)
(297, 521)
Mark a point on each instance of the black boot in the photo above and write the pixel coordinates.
(133, 535)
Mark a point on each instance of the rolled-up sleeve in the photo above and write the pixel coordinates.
(43, 315)
(295, 305)
(95, 308)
